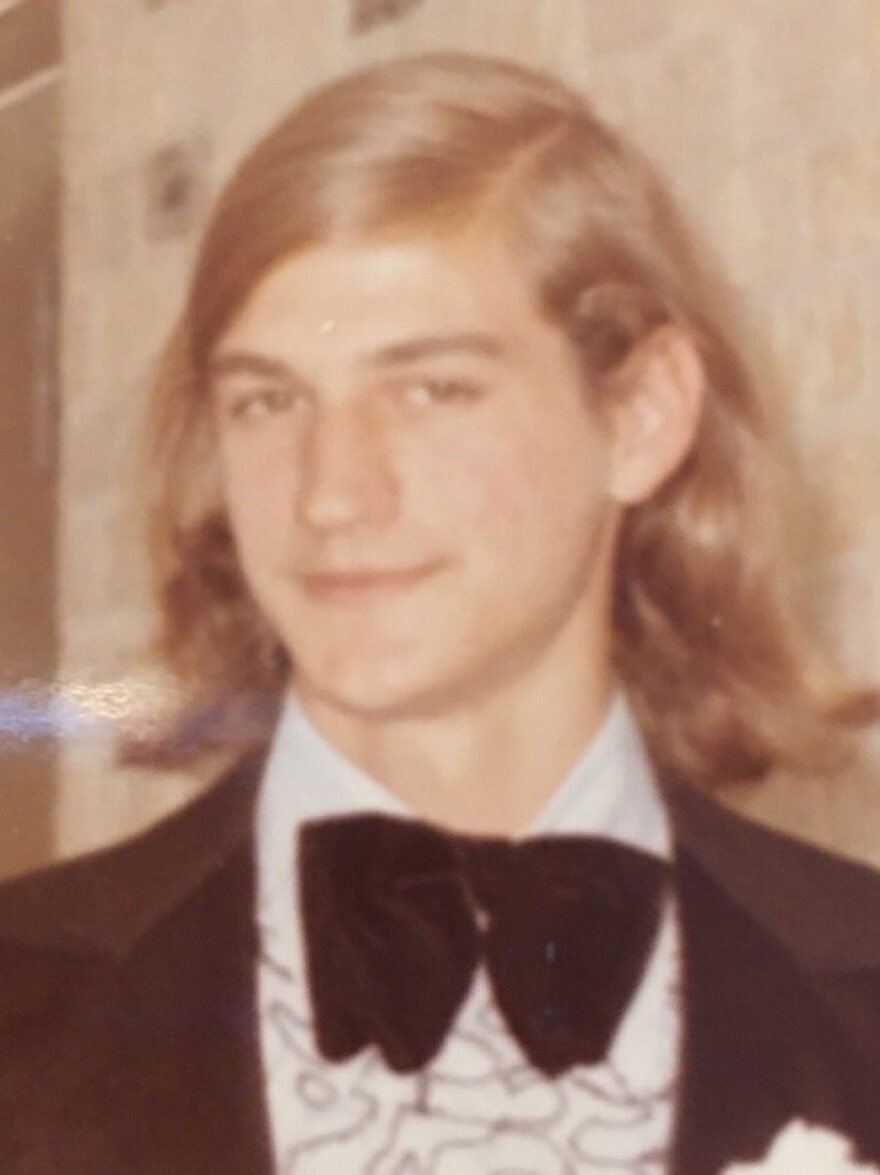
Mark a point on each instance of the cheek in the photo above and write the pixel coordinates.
(516, 495)
(259, 491)
(469, 493)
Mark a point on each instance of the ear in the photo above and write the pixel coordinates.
(657, 415)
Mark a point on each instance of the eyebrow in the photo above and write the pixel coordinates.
(246, 363)
(428, 346)
(406, 351)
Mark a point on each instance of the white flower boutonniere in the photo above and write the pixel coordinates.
(801, 1149)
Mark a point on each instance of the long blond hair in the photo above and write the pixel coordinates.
(724, 682)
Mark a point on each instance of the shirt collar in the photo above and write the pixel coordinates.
(611, 791)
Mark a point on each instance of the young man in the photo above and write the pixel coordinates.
(460, 539)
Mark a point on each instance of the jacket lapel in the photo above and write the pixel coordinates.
(193, 984)
(191, 993)
(758, 1047)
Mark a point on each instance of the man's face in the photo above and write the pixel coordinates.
(416, 486)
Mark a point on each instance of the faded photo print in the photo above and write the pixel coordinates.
(440, 590)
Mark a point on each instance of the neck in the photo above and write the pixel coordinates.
(487, 768)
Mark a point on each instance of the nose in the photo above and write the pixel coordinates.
(346, 475)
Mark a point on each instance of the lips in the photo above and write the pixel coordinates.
(353, 586)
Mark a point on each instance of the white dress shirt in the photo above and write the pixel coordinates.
(478, 1107)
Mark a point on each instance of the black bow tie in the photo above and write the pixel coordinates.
(397, 915)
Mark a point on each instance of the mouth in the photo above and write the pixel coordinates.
(361, 585)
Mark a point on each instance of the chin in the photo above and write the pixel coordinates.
(376, 693)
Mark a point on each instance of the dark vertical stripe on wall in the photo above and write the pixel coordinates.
(29, 267)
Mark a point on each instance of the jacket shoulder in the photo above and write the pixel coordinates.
(823, 907)
(107, 899)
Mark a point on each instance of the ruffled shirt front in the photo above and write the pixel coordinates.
(478, 1107)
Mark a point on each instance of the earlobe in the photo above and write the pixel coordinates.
(658, 414)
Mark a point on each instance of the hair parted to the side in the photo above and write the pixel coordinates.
(723, 679)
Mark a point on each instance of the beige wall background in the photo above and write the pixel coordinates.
(765, 114)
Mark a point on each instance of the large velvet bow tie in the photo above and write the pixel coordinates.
(397, 915)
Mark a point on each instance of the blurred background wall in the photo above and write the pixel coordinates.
(30, 164)
(764, 114)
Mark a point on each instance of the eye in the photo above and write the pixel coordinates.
(438, 390)
(260, 403)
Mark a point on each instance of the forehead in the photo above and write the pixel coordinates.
(374, 292)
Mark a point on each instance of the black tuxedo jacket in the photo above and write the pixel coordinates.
(129, 1038)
